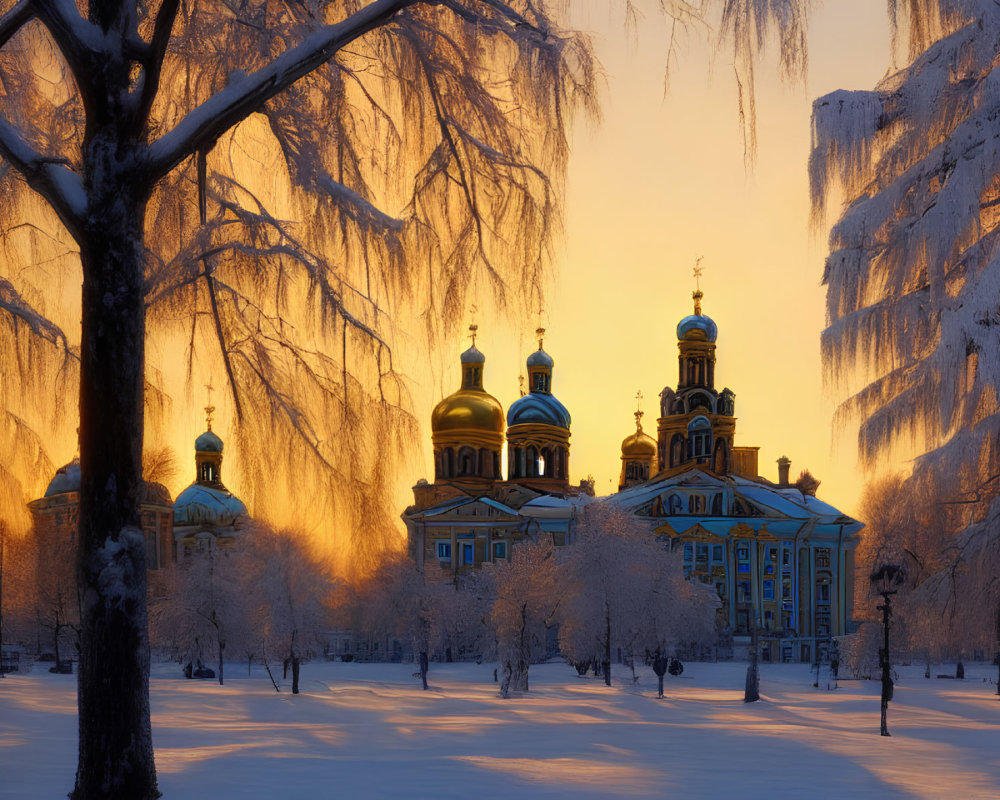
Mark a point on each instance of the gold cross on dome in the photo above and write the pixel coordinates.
(472, 333)
(209, 409)
(638, 409)
(698, 269)
(540, 333)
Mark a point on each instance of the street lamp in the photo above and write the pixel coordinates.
(886, 581)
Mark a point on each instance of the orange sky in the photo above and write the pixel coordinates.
(658, 183)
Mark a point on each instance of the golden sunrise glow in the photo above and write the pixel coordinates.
(660, 183)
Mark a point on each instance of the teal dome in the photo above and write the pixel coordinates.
(697, 326)
(538, 408)
(199, 504)
(208, 442)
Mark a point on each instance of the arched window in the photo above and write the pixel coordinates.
(676, 450)
(532, 462)
(545, 463)
(699, 437)
(466, 462)
(700, 400)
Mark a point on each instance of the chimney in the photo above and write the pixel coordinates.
(784, 464)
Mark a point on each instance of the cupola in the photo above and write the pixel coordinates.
(207, 502)
(638, 455)
(467, 426)
(696, 422)
(538, 429)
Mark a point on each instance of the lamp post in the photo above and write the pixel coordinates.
(886, 581)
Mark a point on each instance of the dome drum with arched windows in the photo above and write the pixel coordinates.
(467, 427)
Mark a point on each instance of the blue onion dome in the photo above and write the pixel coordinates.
(538, 407)
(66, 479)
(200, 504)
(540, 359)
(697, 326)
(208, 442)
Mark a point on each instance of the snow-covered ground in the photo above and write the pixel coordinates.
(368, 731)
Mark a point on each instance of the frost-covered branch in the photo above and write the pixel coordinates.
(153, 62)
(12, 303)
(247, 94)
(51, 178)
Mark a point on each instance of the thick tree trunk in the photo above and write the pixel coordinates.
(115, 741)
(296, 661)
(423, 668)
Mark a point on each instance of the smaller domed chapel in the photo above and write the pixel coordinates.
(204, 516)
(779, 559)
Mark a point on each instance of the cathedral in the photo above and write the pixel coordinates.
(780, 559)
(205, 515)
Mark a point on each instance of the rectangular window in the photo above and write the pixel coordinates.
(444, 551)
(822, 593)
(717, 553)
(688, 551)
(768, 589)
(822, 556)
(701, 554)
(467, 554)
(786, 589)
(743, 591)
(499, 550)
(742, 621)
(786, 557)
(743, 559)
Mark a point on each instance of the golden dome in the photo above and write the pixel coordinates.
(468, 409)
(639, 445)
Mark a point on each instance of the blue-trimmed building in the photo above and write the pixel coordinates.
(780, 559)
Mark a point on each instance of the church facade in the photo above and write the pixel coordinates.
(781, 560)
(470, 515)
(205, 515)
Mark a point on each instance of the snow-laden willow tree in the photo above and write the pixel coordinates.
(912, 347)
(408, 153)
(912, 344)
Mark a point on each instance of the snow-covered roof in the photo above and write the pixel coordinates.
(199, 504)
(780, 511)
